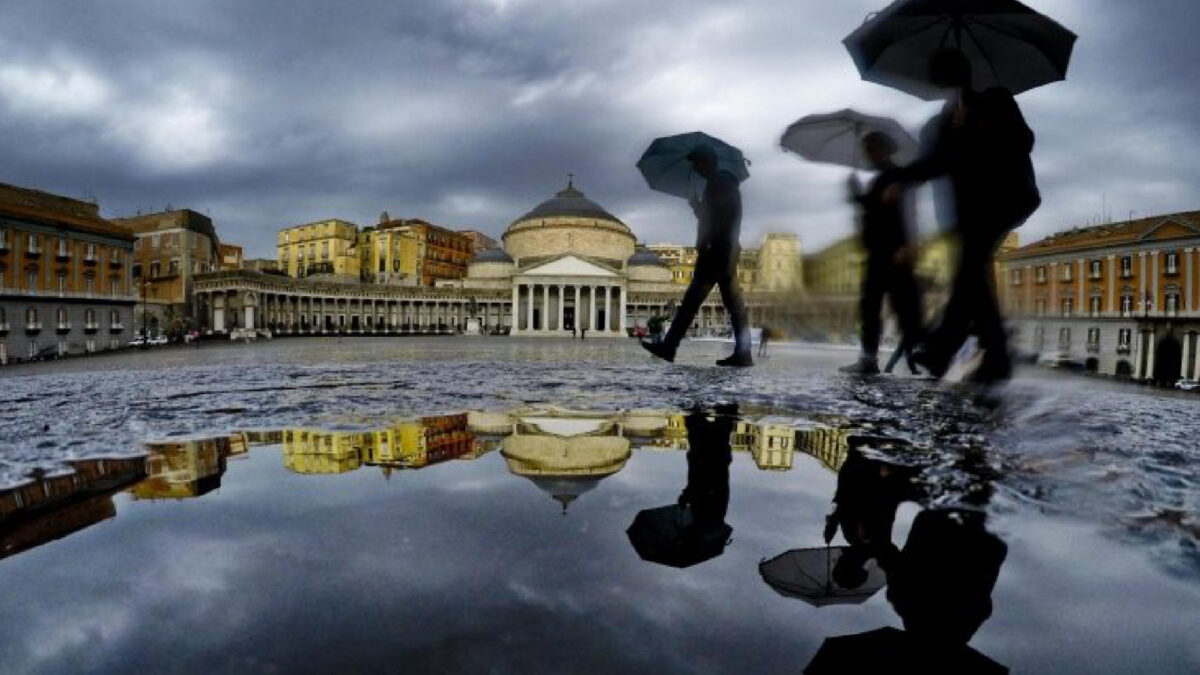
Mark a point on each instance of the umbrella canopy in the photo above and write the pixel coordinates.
(807, 574)
(666, 168)
(667, 536)
(887, 650)
(1008, 44)
(836, 138)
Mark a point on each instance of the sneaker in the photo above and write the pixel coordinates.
(661, 350)
(736, 361)
(862, 367)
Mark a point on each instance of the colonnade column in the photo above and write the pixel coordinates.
(624, 309)
(578, 310)
(545, 307)
(607, 311)
(592, 308)
(516, 303)
(562, 300)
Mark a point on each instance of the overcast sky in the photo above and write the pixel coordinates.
(469, 112)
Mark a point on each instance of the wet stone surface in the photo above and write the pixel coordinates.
(462, 505)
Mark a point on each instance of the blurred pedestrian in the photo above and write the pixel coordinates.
(981, 142)
(885, 235)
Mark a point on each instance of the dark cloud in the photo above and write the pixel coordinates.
(467, 112)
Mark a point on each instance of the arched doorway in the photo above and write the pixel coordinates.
(1168, 361)
(1124, 369)
(1092, 365)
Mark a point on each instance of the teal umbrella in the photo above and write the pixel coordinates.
(666, 168)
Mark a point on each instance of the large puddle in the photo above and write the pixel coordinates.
(541, 507)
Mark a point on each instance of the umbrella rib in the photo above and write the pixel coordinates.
(986, 57)
(1010, 33)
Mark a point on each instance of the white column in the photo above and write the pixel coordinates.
(1157, 306)
(624, 308)
(516, 304)
(1187, 355)
(592, 308)
(1142, 283)
(1196, 360)
(529, 310)
(218, 317)
(562, 300)
(248, 314)
(578, 310)
(1187, 254)
(545, 307)
(1113, 310)
(1150, 344)
(1081, 301)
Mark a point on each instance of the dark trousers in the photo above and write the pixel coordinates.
(885, 277)
(712, 269)
(972, 308)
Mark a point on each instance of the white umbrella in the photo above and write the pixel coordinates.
(836, 138)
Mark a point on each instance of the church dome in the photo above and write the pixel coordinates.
(645, 256)
(644, 265)
(491, 255)
(569, 224)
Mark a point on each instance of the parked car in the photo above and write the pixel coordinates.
(137, 341)
(158, 340)
(1187, 385)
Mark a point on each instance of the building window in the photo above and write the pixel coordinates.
(89, 318)
(1126, 266)
(1172, 305)
(1124, 337)
(32, 245)
(1126, 305)
(1064, 338)
(1066, 275)
(155, 269)
(62, 282)
(1094, 305)
(1093, 340)
(89, 285)
(1172, 263)
(173, 267)
(1040, 307)
(62, 318)
(90, 345)
(1068, 306)
(137, 271)
(91, 252)
(1095, 269)
(62, 247)
(1039, 338)
(31, 280)
(114, 286)
(114, 318)
(1040, 273)
(1016, 277)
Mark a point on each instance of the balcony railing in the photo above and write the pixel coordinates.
(1123, 349)
(33, 325)
(1093, 347)
(91, 326)
(64, 325)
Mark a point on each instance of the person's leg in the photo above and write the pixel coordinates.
(869, 307)
(693, 297)
(731, 297)
(988, 322)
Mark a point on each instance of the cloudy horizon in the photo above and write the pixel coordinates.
(467, 113)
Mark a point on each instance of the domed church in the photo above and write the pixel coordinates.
(570, 266)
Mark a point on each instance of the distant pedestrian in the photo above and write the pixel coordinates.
(719, 221)
(981, 142)
(764, 336)
(885, 235)
(582, 333)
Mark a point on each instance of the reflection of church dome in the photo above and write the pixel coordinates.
(565, 490)
(568, 463)
(569, 223)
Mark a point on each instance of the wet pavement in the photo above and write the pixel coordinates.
(462, 505)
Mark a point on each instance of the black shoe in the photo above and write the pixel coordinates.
(936, 365)
(736, 361)
(862, 367)
(659, 349)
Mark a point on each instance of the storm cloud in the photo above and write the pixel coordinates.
(468, 112)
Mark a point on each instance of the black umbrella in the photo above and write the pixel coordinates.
(668, 535)
(1008, 44)
(808, 574)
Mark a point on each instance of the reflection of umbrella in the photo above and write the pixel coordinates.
(836, 138)
(887, 650)
(666, 168)
(667, 536)
(807, 574)
(1008, 44)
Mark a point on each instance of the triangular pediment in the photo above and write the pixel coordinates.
(569, 266)
(1170, 228)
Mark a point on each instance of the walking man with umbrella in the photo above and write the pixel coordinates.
(718, 221)
(976, 56)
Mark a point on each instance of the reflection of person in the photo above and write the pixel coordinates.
(889, 247)
(764, 336)
(719, 221)
(981, 142)
(941, 586)
(708, 457)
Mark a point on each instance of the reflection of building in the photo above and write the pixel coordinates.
(1119, 298)
(827, 444)
(771, 441)
(565, 453)
(52, 506)
(64, 277)
(171, 248)
(185, 469)
(410, 444)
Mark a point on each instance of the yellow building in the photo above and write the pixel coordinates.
(780, 266)
(324, 247)
(184, 469)
(313, 451)
(837, 269)
(680, 259)
(390, 256)
(409, 444)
